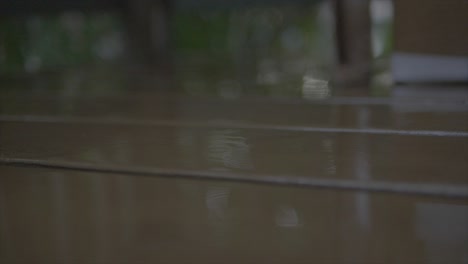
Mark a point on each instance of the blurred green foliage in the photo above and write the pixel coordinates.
(50, 42)
(27, 44)
(225, 51)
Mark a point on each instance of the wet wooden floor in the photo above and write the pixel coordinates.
(386, 178)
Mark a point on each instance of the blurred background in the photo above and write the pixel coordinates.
(228, 48)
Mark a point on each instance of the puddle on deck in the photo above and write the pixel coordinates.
(62, 216)
(329, 155)
(265, 109)
(53, 216)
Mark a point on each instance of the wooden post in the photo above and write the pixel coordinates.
(353, 35)
(147, 30)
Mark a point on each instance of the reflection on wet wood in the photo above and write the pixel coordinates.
(392, 157)
(441, 191)
(179, 221)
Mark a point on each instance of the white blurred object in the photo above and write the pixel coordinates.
(413, 67)
(315, 88)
